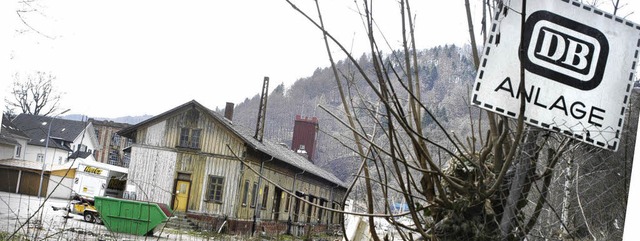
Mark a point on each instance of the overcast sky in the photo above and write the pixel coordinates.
(116, 58)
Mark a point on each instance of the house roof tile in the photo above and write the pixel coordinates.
(61, 129)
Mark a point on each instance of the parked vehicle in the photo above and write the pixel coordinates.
(83, 206)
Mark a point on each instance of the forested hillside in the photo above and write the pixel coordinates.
(579, 192)
(446, 74)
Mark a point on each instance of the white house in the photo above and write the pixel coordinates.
(45, 159)
(67, 139)
(12, 141)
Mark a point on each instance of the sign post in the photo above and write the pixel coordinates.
(579, 69)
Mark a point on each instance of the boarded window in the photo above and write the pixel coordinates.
(286, 207)
(312, 199)
(214, 190)
(254, 194)
(245, 193)
(265, 197)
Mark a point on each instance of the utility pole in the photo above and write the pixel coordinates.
(262, 110)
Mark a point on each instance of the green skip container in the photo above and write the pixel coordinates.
(131, 216)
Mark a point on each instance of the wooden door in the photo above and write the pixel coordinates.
(182, 196)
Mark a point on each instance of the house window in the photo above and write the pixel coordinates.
(214, 191)
(190, 138)
(82, 148)
(265, 197)
(254, 194)
(40, 157)
(195, 138)
(18, 150)
(245, 193)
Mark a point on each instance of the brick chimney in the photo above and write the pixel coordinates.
(304, 136)
(228, 111)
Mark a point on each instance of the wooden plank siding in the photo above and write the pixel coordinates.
(152, 174)
(284, 177)
(158, 159)
(212, 158)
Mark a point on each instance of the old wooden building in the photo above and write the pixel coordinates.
(202, 164)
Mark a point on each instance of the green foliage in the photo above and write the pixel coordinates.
(5, 236)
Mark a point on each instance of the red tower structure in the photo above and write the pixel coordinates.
(304, 136)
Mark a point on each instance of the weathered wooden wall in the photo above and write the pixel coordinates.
(156, 160)
(216, 156)
(152, 172)
(283, 176)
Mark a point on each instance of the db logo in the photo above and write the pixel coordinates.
(564, 50)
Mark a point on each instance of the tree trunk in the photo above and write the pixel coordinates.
(564, 213)
(520, 184)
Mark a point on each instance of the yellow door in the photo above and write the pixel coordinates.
(182, 196)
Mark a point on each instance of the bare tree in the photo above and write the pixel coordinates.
(33, 94)
(492, 184)
(30, 13)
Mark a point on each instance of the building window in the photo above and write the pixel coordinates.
(82, 148)
(214, 191)
(245, 193)
(18, 150)
(113, 157)
(115, 139)
(195, 138)
(254, 194)
(265, 197)
(189, 138)
(126, 159)
(286, 207)
(40, 157)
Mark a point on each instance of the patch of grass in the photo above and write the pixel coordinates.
(5, 236)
